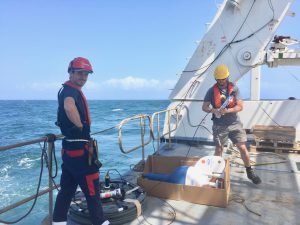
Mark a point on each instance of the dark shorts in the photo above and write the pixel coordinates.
(234, 132)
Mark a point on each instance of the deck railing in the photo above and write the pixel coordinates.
(168, 121)
(50, 147)
(144, 120)
(142, 123)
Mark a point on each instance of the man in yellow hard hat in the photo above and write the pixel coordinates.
(224, 102)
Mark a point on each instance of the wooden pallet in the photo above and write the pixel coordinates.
(279, 139)
(276, 144)
(254, 148)
(278, 133)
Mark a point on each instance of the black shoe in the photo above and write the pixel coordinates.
(252, 176)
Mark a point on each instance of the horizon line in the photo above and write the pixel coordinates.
(87, 99)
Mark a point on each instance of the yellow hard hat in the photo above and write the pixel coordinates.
(221, 72)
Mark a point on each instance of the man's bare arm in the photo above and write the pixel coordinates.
(206, 108)
(72, 112)
(237, 108)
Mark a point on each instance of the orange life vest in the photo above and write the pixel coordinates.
(86, 110)
(217, 95)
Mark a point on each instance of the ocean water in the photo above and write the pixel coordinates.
(25, 120)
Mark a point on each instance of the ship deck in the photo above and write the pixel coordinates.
(275, 201)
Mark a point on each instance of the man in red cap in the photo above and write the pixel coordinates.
(74, 120)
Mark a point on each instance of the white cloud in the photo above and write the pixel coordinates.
(135, 83)
(91, 85)
(124, 88)
(126, 83)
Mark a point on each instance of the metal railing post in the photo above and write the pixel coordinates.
(142, 138)
(50, 149)
(169, 127)
(158, 133)
(143, 143)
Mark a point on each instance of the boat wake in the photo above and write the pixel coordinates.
(26, 163)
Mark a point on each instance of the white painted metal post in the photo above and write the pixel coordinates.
(255, 84)
(169, 130)
(142, 122)
(158, 134)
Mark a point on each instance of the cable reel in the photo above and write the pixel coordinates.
(113, 194)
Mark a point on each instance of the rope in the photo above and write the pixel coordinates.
(51, 139)
(102, 131)
(239, 199)
(259, 105)
(137, 205)
(172, 212)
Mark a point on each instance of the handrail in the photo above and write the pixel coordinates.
(50, 139)
(169, 125)
(142, 118)
(25, 200)
(50, 188)
(28, 142)
(50, 182)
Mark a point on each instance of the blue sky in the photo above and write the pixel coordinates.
(137, 48)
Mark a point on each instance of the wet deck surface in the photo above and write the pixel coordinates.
(275, 201)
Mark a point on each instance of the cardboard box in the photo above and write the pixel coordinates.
(200, 195)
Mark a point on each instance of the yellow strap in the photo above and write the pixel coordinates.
(137, 205)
